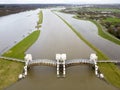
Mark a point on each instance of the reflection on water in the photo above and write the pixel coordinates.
(57, 37)
(14, 28)
(77, 78)
(90, 33)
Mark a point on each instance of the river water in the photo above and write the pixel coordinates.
(57, 37)
(15, 27)
(90, 33)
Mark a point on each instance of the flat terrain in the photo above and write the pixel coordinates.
(57, 37)
(14, 28)
(89, 31)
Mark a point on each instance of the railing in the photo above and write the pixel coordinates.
(42, 62)
(53, 62)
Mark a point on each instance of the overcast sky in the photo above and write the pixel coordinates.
(61, 1)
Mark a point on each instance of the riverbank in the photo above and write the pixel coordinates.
(110, 71)
(10, 70)
(18, 51)
(101, 32)
(105, 34)
(40, 16)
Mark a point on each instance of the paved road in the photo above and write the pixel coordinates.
(90, 32)
(57, 37)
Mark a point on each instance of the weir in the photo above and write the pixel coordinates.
(60, 63)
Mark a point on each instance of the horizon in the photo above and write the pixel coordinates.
(59, 2)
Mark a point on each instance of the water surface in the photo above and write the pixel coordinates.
(90, 32)
(15, 27)
(57, 37)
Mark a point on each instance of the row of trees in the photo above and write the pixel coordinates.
(112, 27)
(106, 18)
(115, 30)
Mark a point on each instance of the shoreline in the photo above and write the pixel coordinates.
(110, 68)
(17, 51)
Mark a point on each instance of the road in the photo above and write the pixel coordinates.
(90, 32)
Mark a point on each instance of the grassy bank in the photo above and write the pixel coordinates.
(105, 34)
(40, 16)
(101, 32)
(110, 71)
(40, 20)
(9, 70)
(18, 51)
(99, 53)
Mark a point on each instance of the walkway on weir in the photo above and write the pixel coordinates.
(54, 62)
(42, 62)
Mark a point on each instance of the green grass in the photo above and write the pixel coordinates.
(112, 20)
(10, 70)
(40, 16)
(105, 34)
(18, 51)
(104, 9)
(99, 53)
(39, 22)
(110, 71)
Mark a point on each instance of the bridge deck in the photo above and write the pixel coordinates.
(54, 62)
(84, 61)
(42, 61)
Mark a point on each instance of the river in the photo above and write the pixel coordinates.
(15, 27)
(57, 37)
(90, 32)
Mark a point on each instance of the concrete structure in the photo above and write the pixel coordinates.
(28, 58)
(60, 63)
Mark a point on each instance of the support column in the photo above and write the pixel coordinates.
(28, 58)
(64, 69)
(93, 59)
(58, 56)
(61, 61)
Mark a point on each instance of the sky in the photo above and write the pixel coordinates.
(60, 1)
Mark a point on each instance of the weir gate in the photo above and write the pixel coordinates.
(61, 63)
